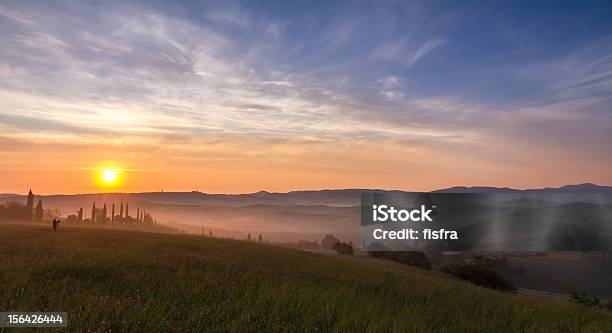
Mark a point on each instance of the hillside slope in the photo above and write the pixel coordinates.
(135, 281)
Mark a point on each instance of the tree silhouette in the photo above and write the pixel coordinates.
(344, 248)
(329, 241)
(93, 212)
(30, 204)
(30, 199)
(113, 214)
(148, 219)
(80, 216)
(39, 210)
(260, 239)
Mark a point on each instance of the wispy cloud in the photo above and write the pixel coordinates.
(234, 17)
(583, 72)
(400, 51)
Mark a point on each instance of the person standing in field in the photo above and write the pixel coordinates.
(55, 224)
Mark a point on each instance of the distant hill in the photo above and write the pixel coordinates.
(343, 198)
(476, 189)
(332, 198)
(308, 213)
(579, 188)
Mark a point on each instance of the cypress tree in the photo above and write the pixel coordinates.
(30, 199)
(39, 210)
(30, 205)
(80, 216)
(104, 213)
(121, 211)
(93, 212)
(113, 214)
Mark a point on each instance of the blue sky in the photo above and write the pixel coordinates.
(508, 87)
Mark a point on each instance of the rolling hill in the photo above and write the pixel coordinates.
(113, 280)
(297, 212)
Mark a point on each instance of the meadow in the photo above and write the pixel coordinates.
(132, 281)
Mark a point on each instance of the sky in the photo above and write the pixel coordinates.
(237, 97)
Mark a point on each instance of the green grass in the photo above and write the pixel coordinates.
(121, 281)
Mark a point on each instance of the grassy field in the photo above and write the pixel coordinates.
(120, 281)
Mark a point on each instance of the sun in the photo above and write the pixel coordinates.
(109, 176)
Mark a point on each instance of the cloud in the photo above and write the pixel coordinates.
(391, 88)
(235, 18)
(339, 35)
(401, 52)
(16, 15)
(581, 73)
(389, 82)
(422, 51)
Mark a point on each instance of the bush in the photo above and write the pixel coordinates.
(411, 258)
(343, 248)
(585, 299)
(329, 241)
(480, 274)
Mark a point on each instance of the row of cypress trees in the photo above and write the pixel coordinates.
(100, 215)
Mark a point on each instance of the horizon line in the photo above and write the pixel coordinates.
(317, 190)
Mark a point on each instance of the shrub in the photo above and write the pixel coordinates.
(411, 258)
(329, 241)
(343, 248)
(585, 299)
(480, 274)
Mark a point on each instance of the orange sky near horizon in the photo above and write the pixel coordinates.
(247, 166)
